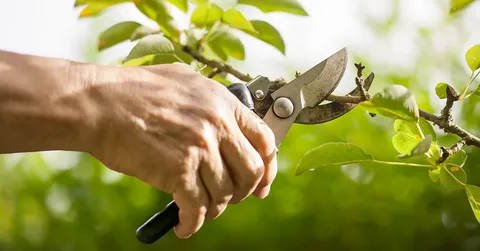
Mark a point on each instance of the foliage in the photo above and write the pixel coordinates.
(415, 137)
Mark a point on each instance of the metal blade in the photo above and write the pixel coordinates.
(324, 113)
(308, 89)
(311, 87)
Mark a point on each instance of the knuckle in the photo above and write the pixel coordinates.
(203, 136)
(267, 141)
(253, 173)
(186, 162)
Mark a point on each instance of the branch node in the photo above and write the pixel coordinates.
(453, 149)
(360, 81)
(446, 114)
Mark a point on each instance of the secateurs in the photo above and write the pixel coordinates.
(295, 102)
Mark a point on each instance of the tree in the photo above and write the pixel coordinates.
(209, 43)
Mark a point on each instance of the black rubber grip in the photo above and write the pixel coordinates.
(161, 223)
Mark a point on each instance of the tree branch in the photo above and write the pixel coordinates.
(214, 73)
(445, 121)
(360, 81)
(452, 96)
(217, 65)
(449, 152)
(345, 99)
(450, 127)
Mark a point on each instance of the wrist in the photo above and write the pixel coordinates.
(42, 105)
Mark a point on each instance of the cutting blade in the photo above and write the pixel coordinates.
(307, 90)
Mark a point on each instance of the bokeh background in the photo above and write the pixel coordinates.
(69, 201)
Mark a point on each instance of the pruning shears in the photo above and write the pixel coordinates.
(298, 101)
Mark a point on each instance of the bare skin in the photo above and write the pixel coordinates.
(165, 125)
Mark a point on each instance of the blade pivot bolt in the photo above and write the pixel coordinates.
(259, 94)
(283, 107)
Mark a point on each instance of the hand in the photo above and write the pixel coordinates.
(184, 134)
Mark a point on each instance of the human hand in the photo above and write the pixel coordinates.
(184, 134)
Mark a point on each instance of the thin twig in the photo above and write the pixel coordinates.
(446, 113)
(217, 65)
(345, 99)
(360, 81)
(214, 73)
(453, 149)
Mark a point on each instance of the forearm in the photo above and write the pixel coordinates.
(39, 106)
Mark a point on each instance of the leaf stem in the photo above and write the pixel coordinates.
(420, 130)
(453, 176)
(402, 164)
(211, 31)
(472, 78)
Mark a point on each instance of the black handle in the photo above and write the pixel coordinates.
(160, 223)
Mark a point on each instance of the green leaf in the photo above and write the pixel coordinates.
(441, 90)
(332, 154)
(221, 78)
(478, 91)
(223, 43)
(157, 11)
(473, 195)
(117, 34)
(166, 59)
(427, 129)
(459, 158)
(458, 5)
(153, 44)
(434, 154)
(180, 4)
(80, 2)
(235, 19)
(289, 6)
(94, 9)
(206, 14)
(434, 175)
(168, 26)
(185, 57)
(142, 32)
(407, 136)
(421, 148)
(473, 57)
(452, 176)
(140, 61)
(410, 135)
(269, 34)
(395, 102)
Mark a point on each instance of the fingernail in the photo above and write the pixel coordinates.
(179, 235)
(264, 192)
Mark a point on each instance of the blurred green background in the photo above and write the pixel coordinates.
(70, 201)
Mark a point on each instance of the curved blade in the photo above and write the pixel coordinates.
(307, 90)
(313, 86)
(330, 111)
